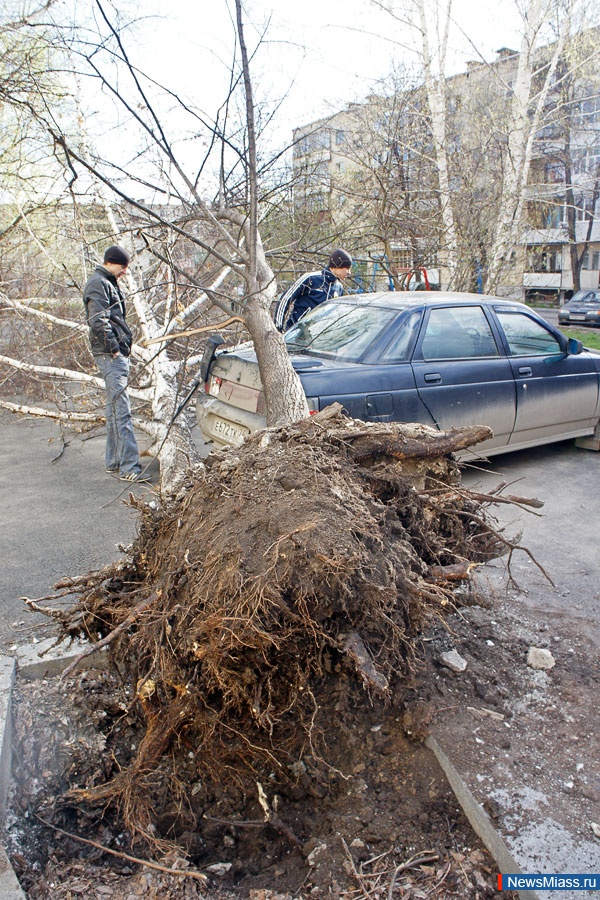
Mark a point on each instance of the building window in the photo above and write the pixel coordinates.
(585, 263)
(588, 162)
(589, 111)
(553, 217)
(542, 260)
(584, 210)
(317, 140)
(340, 137)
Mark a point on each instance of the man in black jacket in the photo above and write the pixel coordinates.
(311, 289)
(111, 339)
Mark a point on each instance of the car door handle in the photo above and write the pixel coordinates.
(525, 371)
(433, 378)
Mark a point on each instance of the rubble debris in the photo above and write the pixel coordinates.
(540, 658)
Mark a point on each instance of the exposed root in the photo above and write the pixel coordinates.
(304, 566)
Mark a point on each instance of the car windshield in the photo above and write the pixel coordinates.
(585, 297)
(338, 330)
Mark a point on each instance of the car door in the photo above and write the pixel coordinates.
(462, 374)
(378, 388)
(369, 391)
(557, 393)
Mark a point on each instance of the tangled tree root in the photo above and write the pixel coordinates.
(294, 578)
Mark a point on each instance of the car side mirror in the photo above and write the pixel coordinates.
(574, 347)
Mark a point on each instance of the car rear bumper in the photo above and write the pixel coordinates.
(223, 424)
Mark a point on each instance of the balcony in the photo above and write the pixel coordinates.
(542, 280)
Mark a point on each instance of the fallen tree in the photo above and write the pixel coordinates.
(258, 608)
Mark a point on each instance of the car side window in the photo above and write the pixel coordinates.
(399, 348)
(525, 337)
(462, 332)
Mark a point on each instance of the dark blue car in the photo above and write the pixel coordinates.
(443, 359)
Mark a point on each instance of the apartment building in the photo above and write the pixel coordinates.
(369, 169)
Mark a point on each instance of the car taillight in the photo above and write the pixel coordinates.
(313, 405)
(213, 386)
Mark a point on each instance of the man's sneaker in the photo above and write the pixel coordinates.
(136, 477)
(112, 471)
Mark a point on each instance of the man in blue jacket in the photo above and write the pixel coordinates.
(311, 289)
(111, 340)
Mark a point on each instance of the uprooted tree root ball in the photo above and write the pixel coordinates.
(281, 592)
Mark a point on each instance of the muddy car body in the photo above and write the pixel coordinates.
(446, 360)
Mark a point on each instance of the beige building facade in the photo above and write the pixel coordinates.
(369, 169)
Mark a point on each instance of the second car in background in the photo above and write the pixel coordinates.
(582, 309)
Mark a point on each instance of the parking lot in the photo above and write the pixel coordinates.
(61, 514)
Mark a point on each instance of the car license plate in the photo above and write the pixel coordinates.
(229, 432)
(577, 318)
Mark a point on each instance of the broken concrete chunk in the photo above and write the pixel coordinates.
(538, 658)
(454, 661)
(219, 868)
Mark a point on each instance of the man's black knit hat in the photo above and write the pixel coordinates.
(339, 259)
(116, 254)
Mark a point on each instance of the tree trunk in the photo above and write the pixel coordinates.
(173, 445)
(523, 127)
(284, 395)
(435, 84)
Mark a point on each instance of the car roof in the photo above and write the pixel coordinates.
(407, 299)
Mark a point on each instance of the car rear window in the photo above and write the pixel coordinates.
(526, 337)
(459, 332)
(338, 330)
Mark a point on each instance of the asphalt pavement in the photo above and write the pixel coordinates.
(61, 514)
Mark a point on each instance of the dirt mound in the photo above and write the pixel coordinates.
(266, 626)
(392, 818)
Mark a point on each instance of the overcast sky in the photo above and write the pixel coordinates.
(323, 54)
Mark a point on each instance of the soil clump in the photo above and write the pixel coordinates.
(264, 638)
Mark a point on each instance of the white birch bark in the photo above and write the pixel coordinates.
(527, 109)
(65, 375)
(231, 242)
(434, 69)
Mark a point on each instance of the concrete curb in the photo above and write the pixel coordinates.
(7, 680)
(30, 665)
(10, 888)
(481, 823)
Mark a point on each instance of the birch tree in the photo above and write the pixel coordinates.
(388, 180)
(569, 149)
(430, 23)
(529, 94)
(509, 128)
(189, 217)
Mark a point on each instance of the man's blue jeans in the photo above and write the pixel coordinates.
(122, 452)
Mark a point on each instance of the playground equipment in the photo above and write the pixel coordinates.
(374, 271)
